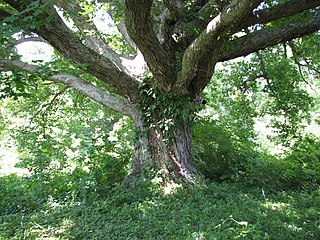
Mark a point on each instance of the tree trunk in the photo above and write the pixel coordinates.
(169, 156)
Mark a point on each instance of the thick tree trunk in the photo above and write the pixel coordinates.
(168, 156)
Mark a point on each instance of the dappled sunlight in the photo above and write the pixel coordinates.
(170, 188)
(9, 159)
(147, 211)
(276, 206)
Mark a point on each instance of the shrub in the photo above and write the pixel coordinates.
(305, 159)
(217, 154)
(268, 172)
(299, 169)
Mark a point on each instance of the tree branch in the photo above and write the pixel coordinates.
(93, 39)
(176, 9)
(140, 30)
(47, 105)
(268, 37)
(283, 10)
(287, 9)
(89, 31)
(88, 89)
(121, 26)
(173, 13)
(28, 39)
(58, 35)
(201, 56)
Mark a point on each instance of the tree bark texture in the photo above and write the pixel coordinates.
(169, 156)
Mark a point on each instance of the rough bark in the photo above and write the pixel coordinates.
(201, 56)
(171, 158)
(58, 35)
(139, 27)
(262, 16)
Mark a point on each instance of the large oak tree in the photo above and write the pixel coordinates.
(175, 44)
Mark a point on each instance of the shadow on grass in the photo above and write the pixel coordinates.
(37, 209)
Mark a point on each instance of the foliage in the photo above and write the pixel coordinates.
(217, 155)
(163, 110)
(15, 84)
(223, 132)
(305, 158)
(277, 86)
(209, 212)
(78, 152)
(53, 138)
(271, 88)
(9, 31)
(298, 170)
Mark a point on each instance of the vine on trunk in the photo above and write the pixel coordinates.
(163, 110)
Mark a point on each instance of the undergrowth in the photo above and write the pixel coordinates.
(30, 209)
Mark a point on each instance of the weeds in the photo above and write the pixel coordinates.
(217, 211)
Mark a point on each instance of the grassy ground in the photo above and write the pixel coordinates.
(33, 208)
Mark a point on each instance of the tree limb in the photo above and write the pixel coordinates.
(287, 9)
(58, 35)
(89, 31)
(176, 9)
(173, 13)
(268, 37)
(28, 39)
(77, 83)
(93, 39)
(140, 30)
(121, 26)
(201, 56)
(45, 106)
(283, 10)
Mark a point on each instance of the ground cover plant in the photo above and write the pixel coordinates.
(212, 211)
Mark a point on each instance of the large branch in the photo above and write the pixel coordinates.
(88, 30)
(134, 67)
(174, 11)
(140, 30)
(201, 56)
(287, 9)
(58, 35)
(121, 26)
(88, 89)
(262, 16)
(268, 37)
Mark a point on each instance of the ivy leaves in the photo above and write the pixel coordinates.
(164, 110)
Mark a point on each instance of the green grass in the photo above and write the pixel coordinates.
(30, 210)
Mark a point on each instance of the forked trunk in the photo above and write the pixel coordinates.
(167, 153)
